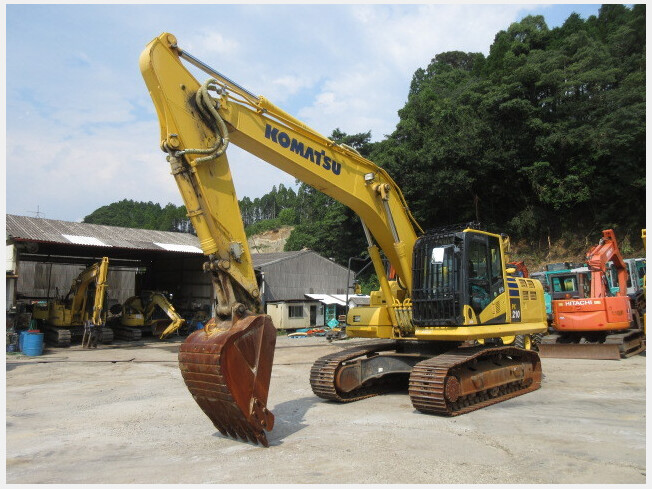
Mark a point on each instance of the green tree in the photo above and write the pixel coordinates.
(325, 225)
(544, 137)
(142, 215)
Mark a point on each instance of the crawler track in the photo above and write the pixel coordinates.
(324, 370)
(452, 383)
(435, 383)
(127, 333)
(59, 337)
(106, 335)
(62, 336)
(612, 347)
(629, 343)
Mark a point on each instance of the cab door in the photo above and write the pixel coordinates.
(485, 273)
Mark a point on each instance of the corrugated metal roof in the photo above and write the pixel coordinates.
(179, 247)
(65, 232)
(262, 259)
(84, 234)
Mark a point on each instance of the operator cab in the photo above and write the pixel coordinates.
(454, 269)
(574, 284)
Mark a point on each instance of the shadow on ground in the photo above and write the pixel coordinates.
(288, 419)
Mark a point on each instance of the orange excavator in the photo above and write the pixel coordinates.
(598, 325)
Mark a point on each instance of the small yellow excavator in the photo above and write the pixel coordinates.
(138, 316)
(81, 313)
(445, 325)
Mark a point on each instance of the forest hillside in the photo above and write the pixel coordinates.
(542, 139)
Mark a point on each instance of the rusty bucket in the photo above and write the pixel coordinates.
(227, 368)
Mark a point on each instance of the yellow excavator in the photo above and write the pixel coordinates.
(445, 325)
(137, 316)
(81, 313)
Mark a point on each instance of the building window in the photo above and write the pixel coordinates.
(295, 311)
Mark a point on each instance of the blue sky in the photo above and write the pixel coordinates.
(81, 131)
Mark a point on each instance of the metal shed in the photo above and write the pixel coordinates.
(46, 255)
(289, 277)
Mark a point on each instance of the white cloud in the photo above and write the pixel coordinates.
(409, 38)
(86, 133)
(72, 176)
(288, 85)
(364, 92)
(212, 42)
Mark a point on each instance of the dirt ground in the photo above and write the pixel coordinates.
(122, 414)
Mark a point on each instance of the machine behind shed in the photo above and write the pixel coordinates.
(81, 313)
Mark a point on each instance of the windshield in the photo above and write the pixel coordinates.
(564, 284)
(439, 275)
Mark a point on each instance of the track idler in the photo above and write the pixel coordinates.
(227, 367)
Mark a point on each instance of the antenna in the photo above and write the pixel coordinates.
(38, 213)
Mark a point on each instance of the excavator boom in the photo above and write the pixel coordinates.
(261, 128)
(598, 257)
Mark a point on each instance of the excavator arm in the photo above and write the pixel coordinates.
(159, 300)
(97, 273)
(606, 250)
(97, 317)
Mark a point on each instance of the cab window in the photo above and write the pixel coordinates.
(497, 285)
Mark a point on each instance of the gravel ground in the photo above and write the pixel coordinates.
(122, 414)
